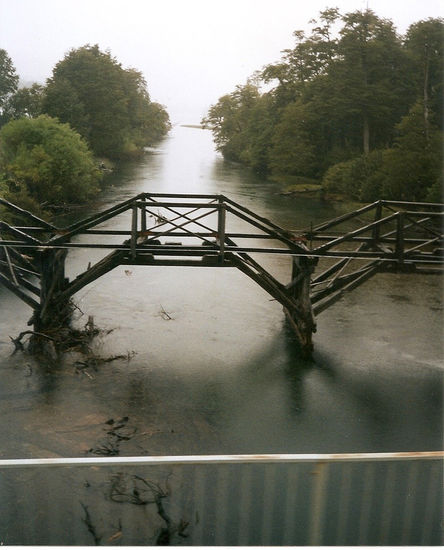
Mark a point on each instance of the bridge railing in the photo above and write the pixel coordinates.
(312, 499)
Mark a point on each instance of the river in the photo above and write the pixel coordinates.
(223, 375)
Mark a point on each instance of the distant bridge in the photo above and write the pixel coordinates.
(214, 231)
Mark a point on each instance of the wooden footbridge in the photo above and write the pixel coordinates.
(214, 231)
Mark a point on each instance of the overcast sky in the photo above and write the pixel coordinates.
(190, 51)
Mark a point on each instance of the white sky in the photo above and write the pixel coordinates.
(190, 51)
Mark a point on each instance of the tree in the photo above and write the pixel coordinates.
(343, 108)
(414, 164)
(61, 100)
(47, 161)
(25, 102)
(8, 79)
(293, 150)
(424, 43)
(311, 57)
(410, 170)
(368, 82)
(109, 106)
(229, 119)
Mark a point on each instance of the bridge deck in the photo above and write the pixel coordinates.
(214, 231)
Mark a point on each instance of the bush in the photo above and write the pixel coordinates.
(48, 161)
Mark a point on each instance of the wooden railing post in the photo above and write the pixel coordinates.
(376, 232)
(221, 219)
(400, 239)
(143, 216)
(134, 231)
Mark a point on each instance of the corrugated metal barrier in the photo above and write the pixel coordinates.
(230, 500)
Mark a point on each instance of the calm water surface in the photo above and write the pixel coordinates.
(224, 374)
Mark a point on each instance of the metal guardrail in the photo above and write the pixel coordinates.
(290, 499)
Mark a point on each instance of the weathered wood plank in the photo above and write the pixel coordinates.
(20, 234)
(288, 240)
(19, 292)
(343, 218)
(11, 269)
(26, 214)
(350, 234)
(332, 298)
(341, 282)
(264, 221)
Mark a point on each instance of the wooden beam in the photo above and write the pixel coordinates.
(19, 292)
(24, 261)
(20, 234)
(221, 219)
(426, 243)
(264, 221)
(343, 218)
(98, 270)
(170, 205)
(340, 282)
(266, 284)
(133, 242)
(255, 265)
(279, 236)
(96, 219)
(180, 196)
(187, 222)
(349, 236)
(409, 204)
(331, 299)
(11, 269)
(27, 214)
(21, 269)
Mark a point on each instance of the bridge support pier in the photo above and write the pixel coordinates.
(301, 318)
(53, 313)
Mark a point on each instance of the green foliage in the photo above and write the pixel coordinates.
(8, 79)
(108, 105)
(344, 108)
(229, 120)
(45, 161)
(410, 170)
(25, 102)
(414, 164)
(293, 151)
(259, 132)
(355, 178)
(435, 193)
(424, 44)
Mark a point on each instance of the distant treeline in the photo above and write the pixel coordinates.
(353, 106)
(51, 135)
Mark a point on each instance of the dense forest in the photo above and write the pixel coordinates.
(353, 108)
(52, 136)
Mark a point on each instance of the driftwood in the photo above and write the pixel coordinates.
(165, 315)
(19, 346)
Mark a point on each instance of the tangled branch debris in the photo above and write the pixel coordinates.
(116, 432)
(64, 339)
(90, 526)
(19, 346)
(94, 361)
(137, 490)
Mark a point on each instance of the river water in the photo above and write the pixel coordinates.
(224, 374)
